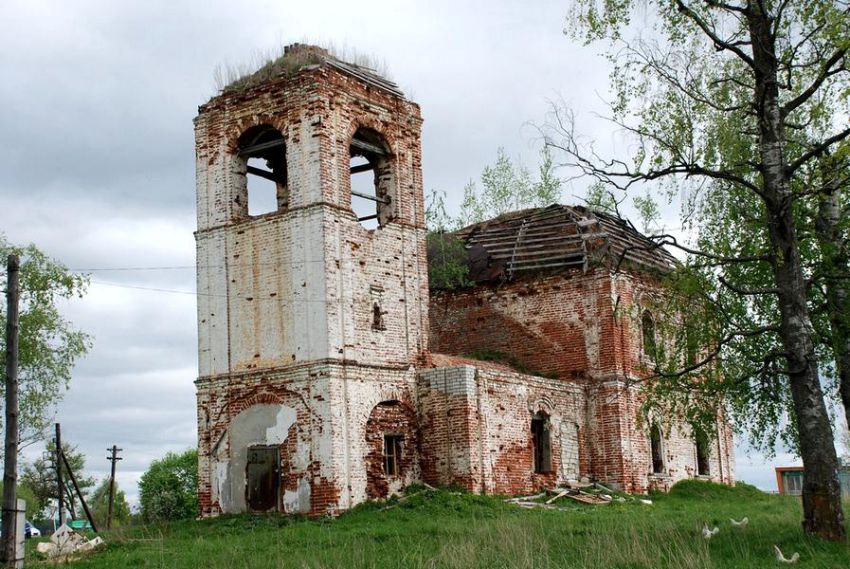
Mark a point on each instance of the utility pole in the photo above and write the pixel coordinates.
(114, 459)
(60, 488)
(10, 466)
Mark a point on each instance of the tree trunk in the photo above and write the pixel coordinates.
(822, 514)
(836, 268)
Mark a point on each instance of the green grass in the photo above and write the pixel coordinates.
(458, 530)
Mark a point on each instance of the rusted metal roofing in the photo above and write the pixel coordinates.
(555, 238)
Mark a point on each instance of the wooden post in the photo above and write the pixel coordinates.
(10, 466)
(80, 494)
(60, 487)
(114, 459)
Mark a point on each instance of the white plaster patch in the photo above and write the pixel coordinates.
(298, 500)
(278, 432)
(220, 479)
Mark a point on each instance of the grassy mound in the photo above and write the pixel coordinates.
(701, 490)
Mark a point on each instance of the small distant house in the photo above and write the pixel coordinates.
(789, 480)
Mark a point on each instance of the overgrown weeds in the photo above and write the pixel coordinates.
(453, 529)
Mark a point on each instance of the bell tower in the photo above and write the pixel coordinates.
(312, 281)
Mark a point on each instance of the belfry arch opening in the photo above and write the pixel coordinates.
(263, 151)
(371, 179)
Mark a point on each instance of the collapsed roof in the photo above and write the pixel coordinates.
(557, 238)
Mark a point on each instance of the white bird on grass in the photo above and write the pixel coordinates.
(709, 533)
(782, 559)
(742, 524)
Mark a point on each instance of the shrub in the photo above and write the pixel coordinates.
(169, 488)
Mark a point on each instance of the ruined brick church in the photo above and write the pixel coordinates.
(329, 374)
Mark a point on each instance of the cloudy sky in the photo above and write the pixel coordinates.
(97, 162)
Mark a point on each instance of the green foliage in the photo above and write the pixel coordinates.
(49, 345)
(448, 266)
(599, 198)
(40, 477)
(453, 529)
(99, 505)
(24, 492)
(507, 186)
(693, 491)
(687, 95)
(169, 488)
(648, 212)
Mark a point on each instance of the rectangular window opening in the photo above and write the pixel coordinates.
(392, 454)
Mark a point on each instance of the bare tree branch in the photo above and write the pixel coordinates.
(719, 43)
(746, 291)
(818, 81)
(816, 151)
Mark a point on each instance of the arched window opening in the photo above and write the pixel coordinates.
(264, 151)
(701, 441)
(541, 443)
(655, 449)
(371, 179)
(648, 326)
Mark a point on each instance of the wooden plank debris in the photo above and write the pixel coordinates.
(585, 498)
(526, 498)
(560, 494)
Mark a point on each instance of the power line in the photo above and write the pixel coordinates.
(163, 268)
(200, 266)
(213, 295)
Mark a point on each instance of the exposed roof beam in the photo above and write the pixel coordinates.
(362, 168)
(254, 148)
(367, 146)
(264, 174)
(369, 197)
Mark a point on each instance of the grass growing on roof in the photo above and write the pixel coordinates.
(459, 530)
(263, 65)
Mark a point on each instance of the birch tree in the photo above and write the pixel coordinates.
(737, 101)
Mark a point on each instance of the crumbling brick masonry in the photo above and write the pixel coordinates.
(317, 389)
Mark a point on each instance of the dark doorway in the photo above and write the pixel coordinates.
(263, 477)
(702, 454)
(541, 443)
(655, 449)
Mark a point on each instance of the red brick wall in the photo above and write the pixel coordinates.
(476, 425)
(584, 328)
(390, 418)
(559, 325)
(448, 419)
